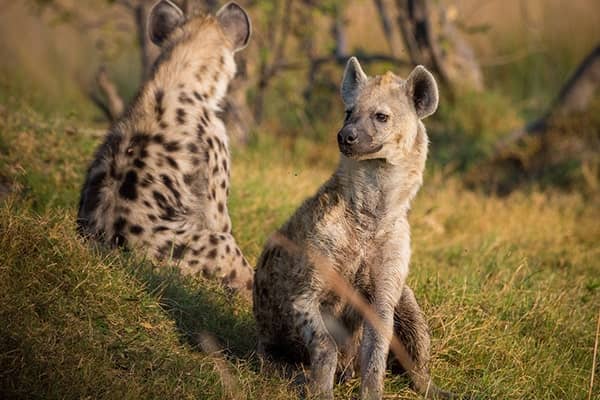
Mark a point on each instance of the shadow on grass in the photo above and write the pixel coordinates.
(199, 307)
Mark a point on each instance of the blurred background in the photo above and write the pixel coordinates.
(504, 69)
(506, 262)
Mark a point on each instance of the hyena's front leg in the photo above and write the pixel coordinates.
(376, 343)
(411, 329)
(320, 345)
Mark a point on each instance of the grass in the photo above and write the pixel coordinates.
(509, 285)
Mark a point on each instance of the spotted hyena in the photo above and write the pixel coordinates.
(160, 180)
(355, 225)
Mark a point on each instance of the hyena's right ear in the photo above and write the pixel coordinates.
(354, 78)
(164, 18)
(236, 24)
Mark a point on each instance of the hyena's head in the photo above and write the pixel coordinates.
(168, 25)
(383, 113)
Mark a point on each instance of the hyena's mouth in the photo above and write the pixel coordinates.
(359, 150)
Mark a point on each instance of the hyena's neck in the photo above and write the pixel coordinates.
(377, 185)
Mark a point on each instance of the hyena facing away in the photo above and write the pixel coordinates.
(159, 183)
(357, 224)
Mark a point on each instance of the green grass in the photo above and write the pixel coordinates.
(510, 285)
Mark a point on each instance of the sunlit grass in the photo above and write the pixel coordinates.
(509, 285)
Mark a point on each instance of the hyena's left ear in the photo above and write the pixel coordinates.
(236, 24)
(423, 91)
(164, 18)
(354, 78)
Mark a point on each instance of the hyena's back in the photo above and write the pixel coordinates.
(159, 182)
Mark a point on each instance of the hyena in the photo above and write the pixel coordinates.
(160, 180)
(357, 226)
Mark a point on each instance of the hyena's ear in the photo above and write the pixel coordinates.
(236, 24)
(423, 91)
(164, 18)
(354, 78)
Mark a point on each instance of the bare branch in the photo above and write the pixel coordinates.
(114, 105)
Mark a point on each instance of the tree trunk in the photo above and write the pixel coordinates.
(575, 96)
(387, 24)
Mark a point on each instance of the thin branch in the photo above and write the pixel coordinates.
(594, 358)
(114, 102)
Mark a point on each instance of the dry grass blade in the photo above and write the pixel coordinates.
(230, 385)
(594, 358)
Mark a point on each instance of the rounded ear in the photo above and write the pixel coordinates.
(236, 24)
(423, 91)
(354, 78)
(164, 18)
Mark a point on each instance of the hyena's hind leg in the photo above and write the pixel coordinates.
(412, 330)
(216, 255)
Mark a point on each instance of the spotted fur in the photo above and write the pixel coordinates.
(159, 182)
(357, 225)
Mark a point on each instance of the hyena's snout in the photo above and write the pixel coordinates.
(354, 141)
(347, 136)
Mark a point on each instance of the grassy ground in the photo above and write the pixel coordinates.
(510, 286)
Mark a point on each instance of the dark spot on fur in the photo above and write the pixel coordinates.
(213, 239)
(212, 254)
(169, 184)
(195, 161)
(136, 229)
(237, 252)
(172, 146)
(160, 228)
(215, 170)
(221, 207)
(128, 189)
(181, 114)
(147, 181)
(192, 148)
(227, 249)
(194, 262)
(210, 143)
(158, 138)
(249, 284)
(199, 96)
(161, 201)
(139, 163)
(179, 251)
(152, 217)
(172, 162)
(188, 179)
(213, 192)
(119, 224)
(223, 184)
(200, 130)
(195, 237)
(185, 99)
(225, 165)
(163, 125)
(226, 228)
(159, 109)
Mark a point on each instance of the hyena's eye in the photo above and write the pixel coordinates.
(381, 117)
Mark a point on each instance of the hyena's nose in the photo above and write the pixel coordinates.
(347, 137)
